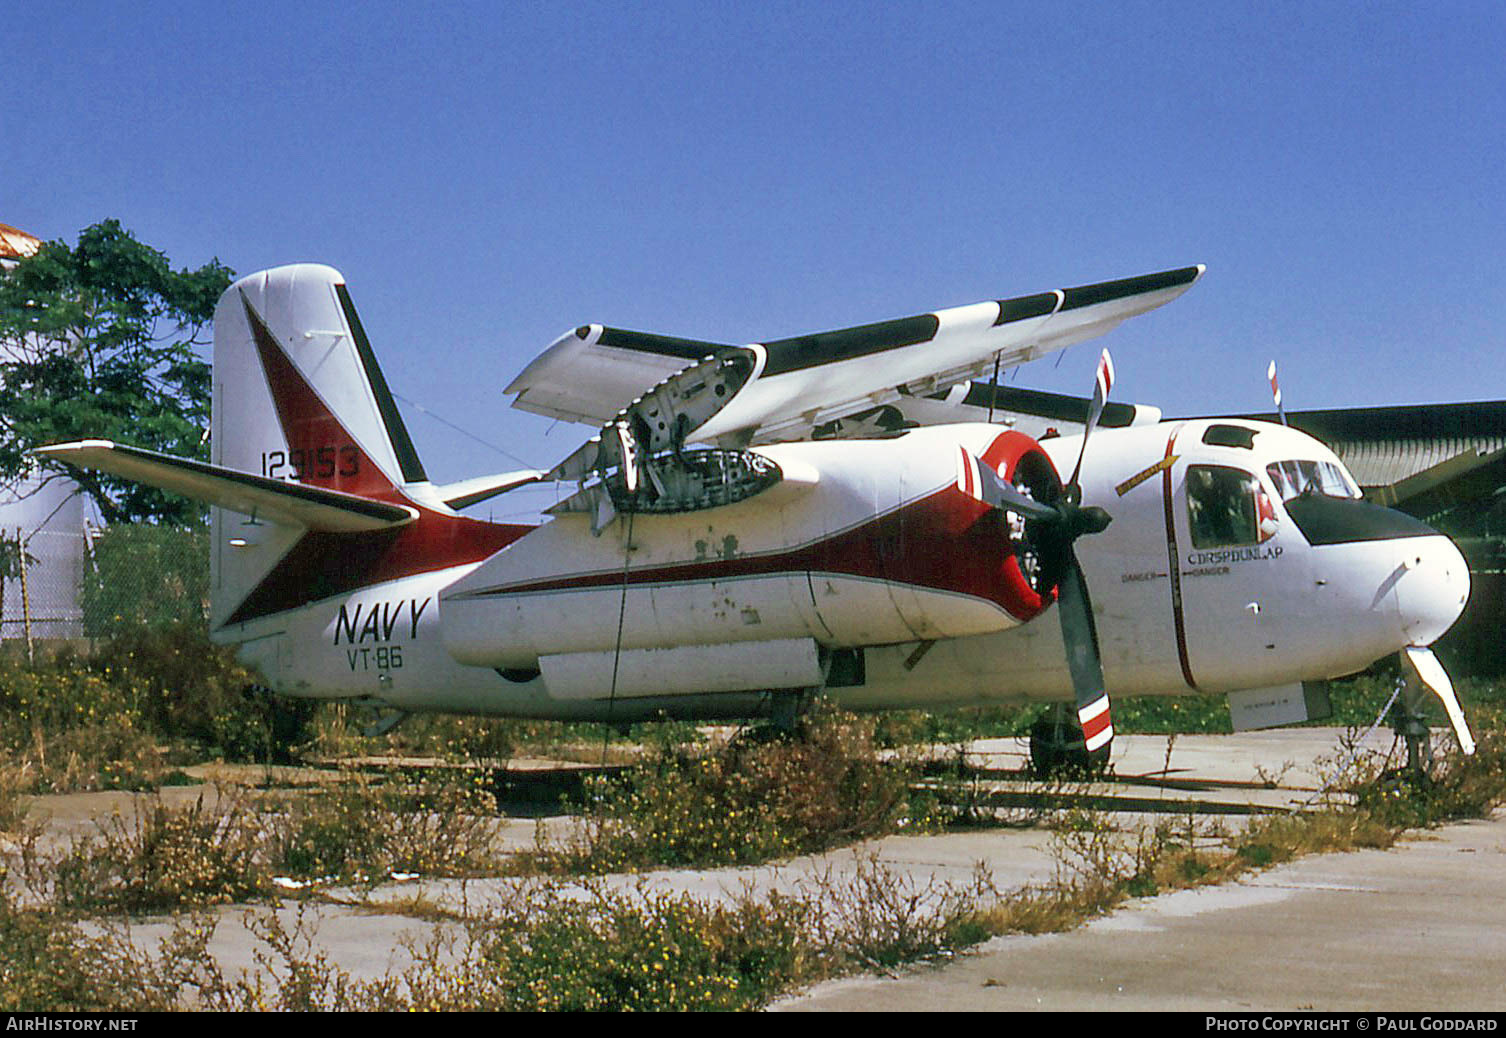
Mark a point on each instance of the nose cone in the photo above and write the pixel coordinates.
(1433, 589)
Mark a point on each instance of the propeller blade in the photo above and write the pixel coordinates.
(1430, 672)
(1103, 382)
(996, 491)
(1081, 638)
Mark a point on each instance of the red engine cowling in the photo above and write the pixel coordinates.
(1023, 560)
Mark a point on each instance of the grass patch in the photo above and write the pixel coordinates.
(231, 846)
(742, 804)
(582, 945)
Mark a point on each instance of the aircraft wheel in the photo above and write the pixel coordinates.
(1057, 749)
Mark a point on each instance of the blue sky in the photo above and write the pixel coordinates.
(489, 175)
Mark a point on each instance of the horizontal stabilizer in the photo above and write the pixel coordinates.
(473, 491)
(328, 511)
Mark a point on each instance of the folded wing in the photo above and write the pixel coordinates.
(784, 389)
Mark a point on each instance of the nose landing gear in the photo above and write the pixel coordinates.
(1409, 724)
(1422, 675)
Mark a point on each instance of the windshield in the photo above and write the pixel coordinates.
(1321, 477)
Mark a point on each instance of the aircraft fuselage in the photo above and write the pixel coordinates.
(873, 572)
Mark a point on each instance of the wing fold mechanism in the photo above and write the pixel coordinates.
(685, 481)
(328, 511)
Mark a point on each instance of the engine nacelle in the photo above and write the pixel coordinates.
(891, 544)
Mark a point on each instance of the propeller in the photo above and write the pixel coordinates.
(1103, 382)
(1060, 523)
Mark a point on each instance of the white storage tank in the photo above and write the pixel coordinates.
(49, 520)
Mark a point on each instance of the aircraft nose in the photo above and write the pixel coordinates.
(1433, 589)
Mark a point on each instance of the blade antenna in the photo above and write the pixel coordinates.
(993, 388)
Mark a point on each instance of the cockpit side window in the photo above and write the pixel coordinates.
(1319, 477)
(1226, 507)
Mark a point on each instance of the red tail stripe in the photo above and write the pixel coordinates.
(325, 452)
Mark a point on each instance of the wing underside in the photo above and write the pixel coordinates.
(1030, 411)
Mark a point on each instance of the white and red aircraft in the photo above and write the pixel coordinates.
(755, 525)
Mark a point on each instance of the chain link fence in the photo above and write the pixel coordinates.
(59, 585)
(41, 575)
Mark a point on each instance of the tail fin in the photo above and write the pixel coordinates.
(298, 397)
(297, 391)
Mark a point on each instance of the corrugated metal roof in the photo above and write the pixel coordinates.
(16, 244)
(1383, 462)
(1384, 445)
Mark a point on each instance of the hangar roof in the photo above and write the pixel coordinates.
(1385, 445)
(1400, 454)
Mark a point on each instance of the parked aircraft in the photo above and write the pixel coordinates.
(756, 525)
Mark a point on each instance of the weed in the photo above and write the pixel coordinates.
(67, 730)
(225, 847)
(364, 830)
(294, 976)
(187, 690)
(880, 918)
(655, 952)
(14, 811)
(159, 858)
(417, 905)
(51, 964)
(1096, 864)
(1271, 778)
(746, 804)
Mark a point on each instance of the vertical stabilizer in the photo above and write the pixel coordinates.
(298, 393)
(298, 396)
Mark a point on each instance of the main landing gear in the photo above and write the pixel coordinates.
(782, 721)
(1058, 748)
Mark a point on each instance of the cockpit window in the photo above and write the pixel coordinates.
(1226, 507)
(1320, 477)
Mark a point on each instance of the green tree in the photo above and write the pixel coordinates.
(98, 340)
